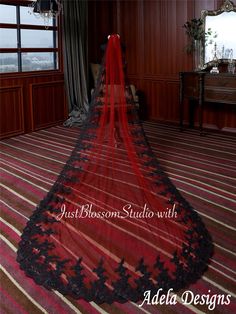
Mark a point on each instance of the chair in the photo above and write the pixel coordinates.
(95, 69)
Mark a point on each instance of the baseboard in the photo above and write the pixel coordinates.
(206, 126)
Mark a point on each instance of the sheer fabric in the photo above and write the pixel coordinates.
(113, 225)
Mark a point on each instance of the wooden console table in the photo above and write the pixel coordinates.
(202, 87)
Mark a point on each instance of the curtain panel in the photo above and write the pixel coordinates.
(75, 52)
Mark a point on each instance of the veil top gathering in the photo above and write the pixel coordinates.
(113, 225)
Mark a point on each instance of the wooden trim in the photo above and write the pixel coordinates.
(16, 2)
(229, 130)
(174, 78)
(47, 125)
(28, 26)
(8, 50)
(59, 43)
(157, 77)
(26, 74)
(48, 83)
(12, 50)
(31, 106)
(38, 49)
(8, 25)
(38, 27)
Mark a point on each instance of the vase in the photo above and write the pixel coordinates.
(197, 55)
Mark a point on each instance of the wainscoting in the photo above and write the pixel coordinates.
(11, 111)
(47, 100)
(29, 103)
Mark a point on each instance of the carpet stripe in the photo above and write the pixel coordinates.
(222, 273)
(22, 290)
(24, 171)
(173, 171)
(188, 134)
(219, 286)
(173, 176)
(198, 169)
(224, 249)
(75, 309)
(223, 266)
(98, 308)
(14, 210)
(23, 179)
(8, 243)
(10, 226)
(194, 146)
(204, 199)
(18, 195)
(35, 154)
(29, 163)
(140, 308)
(207, 190)
(16, 305)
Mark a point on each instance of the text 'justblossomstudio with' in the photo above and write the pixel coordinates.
(127, 211)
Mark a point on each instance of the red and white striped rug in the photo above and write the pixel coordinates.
(202, 168)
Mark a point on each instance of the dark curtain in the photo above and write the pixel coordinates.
(75, 50)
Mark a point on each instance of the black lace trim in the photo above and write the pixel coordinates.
(196, 254)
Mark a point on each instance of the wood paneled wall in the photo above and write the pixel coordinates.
(29, 103)
(155, 40)
(47, 103)
(11, 110)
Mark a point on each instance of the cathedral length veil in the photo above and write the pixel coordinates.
(113, 225)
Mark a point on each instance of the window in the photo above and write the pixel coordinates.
(26, 43)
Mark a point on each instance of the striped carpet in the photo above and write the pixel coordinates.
(203, 169)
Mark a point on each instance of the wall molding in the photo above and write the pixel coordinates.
(54, 106)
(12, 120)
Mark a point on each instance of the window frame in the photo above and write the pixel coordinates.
(18, 50)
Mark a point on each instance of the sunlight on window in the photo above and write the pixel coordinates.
(36, 38)
(8, 38)
(7, 14)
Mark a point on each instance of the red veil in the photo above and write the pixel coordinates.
(113, 225)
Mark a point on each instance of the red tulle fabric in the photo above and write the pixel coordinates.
(113, 224)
